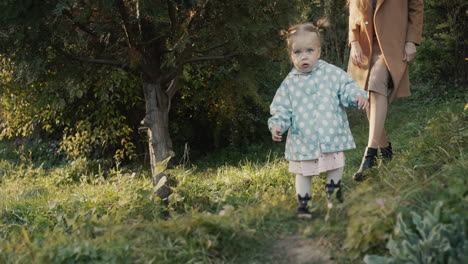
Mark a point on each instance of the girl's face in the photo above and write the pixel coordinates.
(305, 51)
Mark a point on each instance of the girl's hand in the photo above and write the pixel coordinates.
(410, 51)
(362, 102)
(356, 53)
(275, 133)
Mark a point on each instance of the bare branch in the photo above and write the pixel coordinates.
(119, 64)
(167, 77)
(172, 16)
(132, 30)
(124, 66)
(153, 40)
(173, 87)
(205, 58)
(172, 78)
(84, 28)
(79, 25)
(212, 47)
(3, 34)
(197, 15)
(137, 9)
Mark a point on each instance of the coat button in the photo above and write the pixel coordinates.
(367, 22)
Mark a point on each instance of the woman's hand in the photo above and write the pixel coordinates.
(362, 102)
(275, 133)
(410, 51)
(356, 53)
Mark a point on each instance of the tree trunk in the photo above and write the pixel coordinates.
(156, 123)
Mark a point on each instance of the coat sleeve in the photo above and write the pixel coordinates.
(353, 24)
(349, 90)
(415, 21)
(281, 109)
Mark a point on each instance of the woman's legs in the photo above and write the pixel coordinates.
(379, 78)
(376, 113)
(377, 116)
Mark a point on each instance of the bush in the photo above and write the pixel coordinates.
(88, 116)
(426, 240)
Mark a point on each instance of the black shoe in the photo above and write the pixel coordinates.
(386, 153)
(369, 161)
(302, 211)
(332, 188)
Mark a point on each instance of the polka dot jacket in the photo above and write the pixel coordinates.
(310, 106)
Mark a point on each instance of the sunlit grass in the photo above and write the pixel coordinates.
(227, 211)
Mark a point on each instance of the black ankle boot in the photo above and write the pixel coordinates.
(386, 153)
(331, 188)
(368, 162)
(302, 211)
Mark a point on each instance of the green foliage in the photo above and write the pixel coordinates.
(92, 117)
(442, 54)
(426, 240)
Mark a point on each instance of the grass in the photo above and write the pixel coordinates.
(229, 207)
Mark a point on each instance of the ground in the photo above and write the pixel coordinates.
(301, 250)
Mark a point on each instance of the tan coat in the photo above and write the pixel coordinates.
(396, 22)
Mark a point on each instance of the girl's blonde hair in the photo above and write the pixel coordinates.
(300, 29)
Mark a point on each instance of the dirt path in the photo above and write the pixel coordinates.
(301, 250)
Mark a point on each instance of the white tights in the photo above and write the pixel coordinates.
(303, 183)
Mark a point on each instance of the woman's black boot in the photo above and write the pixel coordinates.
(368, 162)
(334, 187)
(302, 211)
(386, 153)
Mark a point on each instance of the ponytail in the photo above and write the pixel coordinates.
(300, 29)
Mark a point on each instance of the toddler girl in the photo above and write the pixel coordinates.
(309, 104)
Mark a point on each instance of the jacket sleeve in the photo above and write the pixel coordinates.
(415, 21)
(354, 27)
(349, 90)
(281, 109)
